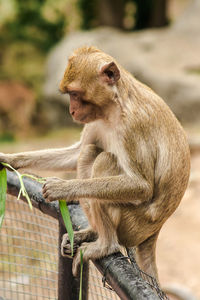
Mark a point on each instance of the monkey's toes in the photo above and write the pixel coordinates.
(77, 259)
(76, 264)
(66, 249)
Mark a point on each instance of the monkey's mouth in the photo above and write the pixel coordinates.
(80, 120)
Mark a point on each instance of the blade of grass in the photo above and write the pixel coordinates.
(3, 189)
(81, 275)
(19, 195)
(67, 221)
(23, 189)
(38, 179)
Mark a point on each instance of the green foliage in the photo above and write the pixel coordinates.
(7, 137)
(28, 29)
(23, 62)
(31, 25)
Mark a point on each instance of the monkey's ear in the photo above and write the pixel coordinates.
(110, 73)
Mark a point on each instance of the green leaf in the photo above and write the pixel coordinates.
(67, 221)
(3, 189)
(81, 275)
(23, 189)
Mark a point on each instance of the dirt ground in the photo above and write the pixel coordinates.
(178, 250)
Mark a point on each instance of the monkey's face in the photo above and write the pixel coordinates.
(81, 110)
(89, 79)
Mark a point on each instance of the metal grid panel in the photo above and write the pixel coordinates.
(29, 257)
(28, 254)
(96, 289)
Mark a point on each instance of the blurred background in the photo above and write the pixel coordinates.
(158, 41)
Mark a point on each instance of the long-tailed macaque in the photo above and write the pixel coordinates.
(132, 161)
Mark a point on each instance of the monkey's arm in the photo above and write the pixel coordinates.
(51, 159)
(113, 189)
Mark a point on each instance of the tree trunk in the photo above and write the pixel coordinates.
(158, 17)
(110, 13)
(151, 13)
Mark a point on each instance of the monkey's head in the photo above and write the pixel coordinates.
(89, 79)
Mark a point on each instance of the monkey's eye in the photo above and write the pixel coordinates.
(84, 102)
(73, 94)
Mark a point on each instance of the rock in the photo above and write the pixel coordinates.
(167, 60)
(190, 20)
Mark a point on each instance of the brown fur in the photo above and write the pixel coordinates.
(132, 161)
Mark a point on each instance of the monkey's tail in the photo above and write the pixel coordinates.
(179, 292)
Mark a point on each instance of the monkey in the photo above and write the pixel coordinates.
(132, 161)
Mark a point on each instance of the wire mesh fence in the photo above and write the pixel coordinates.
(29, 257)
(28, 253)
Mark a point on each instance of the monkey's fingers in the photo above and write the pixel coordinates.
(3, 166)
(4, 159)
(47, 193)
(52, 189)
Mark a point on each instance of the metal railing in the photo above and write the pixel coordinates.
(32, 268)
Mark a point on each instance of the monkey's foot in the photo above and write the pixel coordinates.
(94, 250)
(66, 249)
(79, 237)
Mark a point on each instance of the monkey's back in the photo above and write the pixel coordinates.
(169, 148)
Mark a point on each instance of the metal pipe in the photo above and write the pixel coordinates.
(119, 273)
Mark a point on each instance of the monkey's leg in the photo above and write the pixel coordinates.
(106, 243)
(84, 168)
(145, 256)
(103, 218)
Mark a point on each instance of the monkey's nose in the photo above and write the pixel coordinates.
(71, 111)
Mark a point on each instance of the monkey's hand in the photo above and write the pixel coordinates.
(57, 189)
(8, 159)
